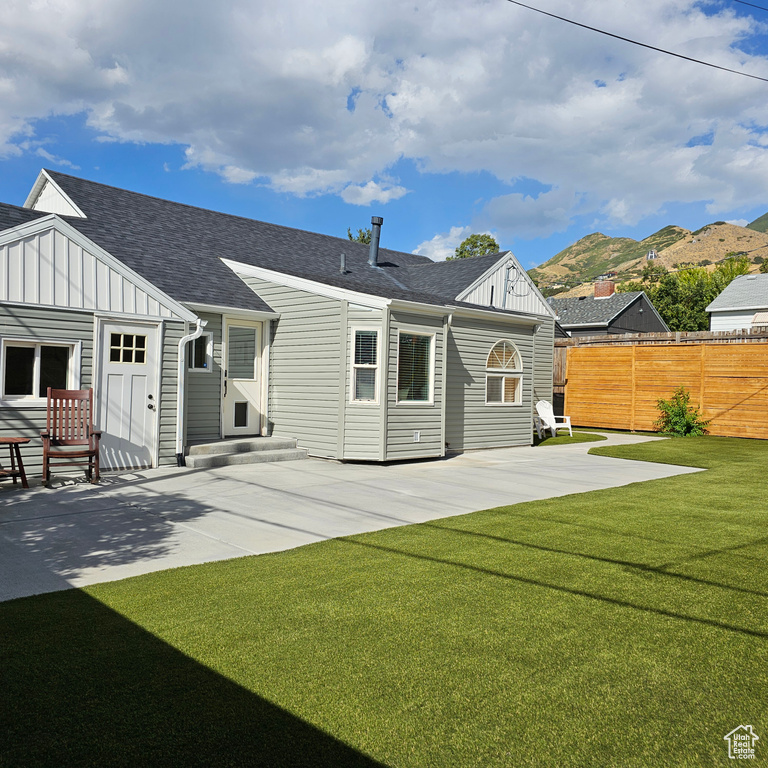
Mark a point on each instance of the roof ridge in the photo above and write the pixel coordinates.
(221, 213)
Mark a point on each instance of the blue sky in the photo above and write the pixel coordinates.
(444, 118)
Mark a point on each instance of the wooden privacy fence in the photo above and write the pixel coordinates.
(618, 385)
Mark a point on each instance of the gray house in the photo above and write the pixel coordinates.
(607, 312)
(192, 326)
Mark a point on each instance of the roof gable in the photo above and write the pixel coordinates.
(587, 310)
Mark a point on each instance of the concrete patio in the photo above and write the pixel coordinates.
(133, 523)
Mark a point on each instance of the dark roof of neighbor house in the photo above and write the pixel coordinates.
(744, 292)
(587, 310)
(177, 247)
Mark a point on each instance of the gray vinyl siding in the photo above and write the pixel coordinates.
(172, 332)
(304, 376)
(203, 401)
(470, 423)
(362, 421)
(544, 362)
(405, 418)
(29, 322)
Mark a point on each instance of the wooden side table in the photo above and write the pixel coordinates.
(17, 465)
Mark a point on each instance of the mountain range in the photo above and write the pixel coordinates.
(571, 272)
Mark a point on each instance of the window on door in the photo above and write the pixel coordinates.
(29, 368)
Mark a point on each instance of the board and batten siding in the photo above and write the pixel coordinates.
(362, 421)
(470, 422)
(403, 419)
(48, 268)
(36, 323)
(203, 400)
(304, 380)
(493, 291)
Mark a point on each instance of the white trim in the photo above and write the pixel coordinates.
(377, 368)
(756, 308)
(507, 258)
(304, 284)
(42, 179)
(496, 373)
(52, 221)
(431, 364)
(259, 365)
(246, 314)
(73, 370)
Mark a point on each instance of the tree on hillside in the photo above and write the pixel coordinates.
(681, 297)
(362, 236)
(475, 245)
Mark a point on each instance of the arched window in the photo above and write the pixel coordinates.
(504, 379)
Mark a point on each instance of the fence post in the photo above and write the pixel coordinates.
(702, 371)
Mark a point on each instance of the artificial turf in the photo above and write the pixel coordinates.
(625, 627)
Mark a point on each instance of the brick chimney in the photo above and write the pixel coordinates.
(604, 289)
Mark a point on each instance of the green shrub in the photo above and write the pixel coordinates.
(678, 417)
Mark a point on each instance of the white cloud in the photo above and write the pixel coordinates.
(372, 192)
(738, 222)
(40, 152)
(440, 247)
(311, 104)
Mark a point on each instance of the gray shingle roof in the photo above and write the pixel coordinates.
(179, 248)
(745, 292)
(587, 310)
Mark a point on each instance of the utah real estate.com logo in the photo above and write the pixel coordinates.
(741, 743)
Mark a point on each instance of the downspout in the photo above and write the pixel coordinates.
(196, 334)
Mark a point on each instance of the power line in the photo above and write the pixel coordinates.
(635, 42)
(751, 5)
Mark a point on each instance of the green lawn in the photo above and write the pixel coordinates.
(626, 627)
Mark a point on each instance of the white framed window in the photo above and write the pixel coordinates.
(28, 368)
(415, 368)
(364, 386)
(504, 375)
(200, 353)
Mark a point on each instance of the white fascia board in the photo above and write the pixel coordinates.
(304, 284)
(253, 314)
(66, 229)
(566, 326)
(42, 179)
(506, 257)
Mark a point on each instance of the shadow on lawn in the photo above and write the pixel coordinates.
(83, 686)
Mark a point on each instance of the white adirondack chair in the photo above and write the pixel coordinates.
(548, 420)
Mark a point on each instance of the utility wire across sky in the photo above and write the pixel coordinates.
(642, 45)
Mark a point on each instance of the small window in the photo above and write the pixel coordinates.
(29, 368)
(200, 353)
(365, 367)
(414, 368)
(504, 380)
(127, 348)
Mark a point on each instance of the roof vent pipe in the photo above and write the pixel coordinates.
(373, 253)
(343, 267)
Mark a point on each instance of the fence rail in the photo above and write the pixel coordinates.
(616, 384)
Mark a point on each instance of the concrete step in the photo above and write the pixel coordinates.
(243, 445)
(207, 461)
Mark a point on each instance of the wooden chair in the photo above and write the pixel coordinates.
(69, 437)
(548, 420)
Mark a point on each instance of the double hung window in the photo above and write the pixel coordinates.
(504, 376)
(365, 367)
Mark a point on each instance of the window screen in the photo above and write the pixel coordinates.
(413, 368)
(365, 366)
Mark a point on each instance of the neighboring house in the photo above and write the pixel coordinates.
(192, 325)
(743, 304)
(607, 312)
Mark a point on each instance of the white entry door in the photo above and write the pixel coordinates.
(241, 401)
(128, 395)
